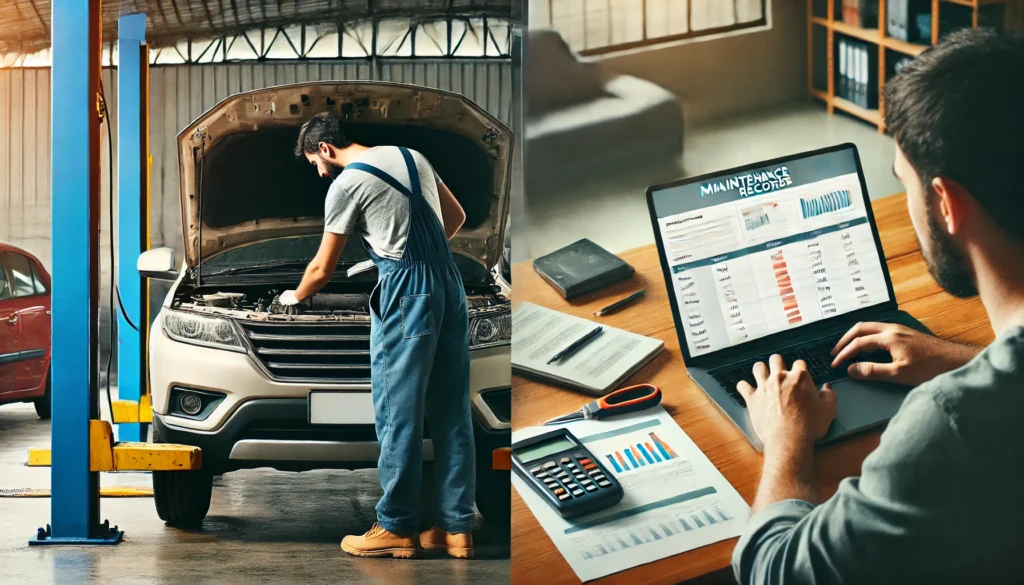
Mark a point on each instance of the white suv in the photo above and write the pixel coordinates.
(254, 385)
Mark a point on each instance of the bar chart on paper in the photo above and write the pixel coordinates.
(827, 203)
(655, 530)
(641, 454)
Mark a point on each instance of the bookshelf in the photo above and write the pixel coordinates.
(823, 30)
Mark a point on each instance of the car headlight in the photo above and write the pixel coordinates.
(201, 330)
(490, 329)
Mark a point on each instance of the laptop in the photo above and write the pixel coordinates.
(781, 256)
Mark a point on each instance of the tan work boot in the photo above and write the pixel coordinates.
(459, 545)
(378, 542)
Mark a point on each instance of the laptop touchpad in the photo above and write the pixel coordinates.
(861, 404)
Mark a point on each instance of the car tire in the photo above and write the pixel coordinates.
(182, 498)
(494, 497)
(44, 404)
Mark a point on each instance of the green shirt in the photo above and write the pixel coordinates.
(941, 500)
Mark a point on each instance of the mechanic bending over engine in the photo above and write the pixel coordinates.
(419, 333)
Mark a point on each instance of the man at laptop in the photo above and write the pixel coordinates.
(941, 499)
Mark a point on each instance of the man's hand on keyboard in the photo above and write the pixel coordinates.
(787, 411)
(916, 357)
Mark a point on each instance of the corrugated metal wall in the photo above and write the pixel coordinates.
(179, 94)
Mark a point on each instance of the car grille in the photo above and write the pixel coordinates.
(329, 352)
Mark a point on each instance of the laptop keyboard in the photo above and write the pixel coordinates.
(816, 353)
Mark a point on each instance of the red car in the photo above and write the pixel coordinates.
(24, 330)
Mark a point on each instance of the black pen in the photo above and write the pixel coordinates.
(576, 345)
(619, 304)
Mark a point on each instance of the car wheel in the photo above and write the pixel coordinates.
(44, 404)
(494, 496)
(182, 497)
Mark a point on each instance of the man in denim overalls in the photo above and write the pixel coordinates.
(419, 333)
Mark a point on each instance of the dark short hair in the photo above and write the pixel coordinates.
(322, 127)
(956, 112)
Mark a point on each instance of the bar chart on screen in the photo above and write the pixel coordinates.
(764, 215)
(827, 203)
(782, 278)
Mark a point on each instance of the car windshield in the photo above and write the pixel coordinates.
(292, 254)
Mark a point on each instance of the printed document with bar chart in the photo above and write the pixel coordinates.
(674, 499)
(769, 249)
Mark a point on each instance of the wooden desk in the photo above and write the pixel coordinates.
(535, 558)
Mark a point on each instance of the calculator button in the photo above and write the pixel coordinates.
(577, 492)
(563, 497)
(591, 488)
(604, 483)
(562, 475)
(542, 475)
(559, 491)
(599, 477)
(550, 481)
(586, 481)
(585, 461)
(590, 466)
(537, 471)
(581, 477)
(563, 460)
(550, 465)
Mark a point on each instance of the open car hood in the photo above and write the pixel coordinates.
(241, 183)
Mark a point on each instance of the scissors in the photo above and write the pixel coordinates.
(629, 399)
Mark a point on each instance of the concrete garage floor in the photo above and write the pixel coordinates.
(264, 526)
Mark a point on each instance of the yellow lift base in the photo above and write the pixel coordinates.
(129, 411)
(105, 492)
(106, 455)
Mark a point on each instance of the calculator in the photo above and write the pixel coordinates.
(565, 474)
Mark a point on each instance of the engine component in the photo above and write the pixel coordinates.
(227, 300)
(340, 302)
(323, 303)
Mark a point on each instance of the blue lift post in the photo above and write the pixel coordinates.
(132, 220)
(75, 180)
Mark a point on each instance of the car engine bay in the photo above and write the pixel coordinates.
(261, 302)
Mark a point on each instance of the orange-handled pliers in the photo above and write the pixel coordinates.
(629, 399)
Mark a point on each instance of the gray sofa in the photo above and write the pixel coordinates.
(583, 121)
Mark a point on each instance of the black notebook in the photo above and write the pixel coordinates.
(580, 268)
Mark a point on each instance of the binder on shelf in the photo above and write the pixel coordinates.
(841, 92)
(901, 22)
(858, 71)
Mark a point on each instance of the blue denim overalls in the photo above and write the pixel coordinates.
(419, 354)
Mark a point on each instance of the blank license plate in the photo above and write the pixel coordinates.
(328, 407)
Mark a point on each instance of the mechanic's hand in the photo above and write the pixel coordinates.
(786, 410)
(916, 357)
(287, 299)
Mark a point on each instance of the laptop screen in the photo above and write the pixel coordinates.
(768, 249)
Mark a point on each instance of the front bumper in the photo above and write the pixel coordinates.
(274, 432)
(239, 378)
(264, 423)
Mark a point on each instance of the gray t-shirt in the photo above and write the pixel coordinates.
(359, 203)
(941, 500)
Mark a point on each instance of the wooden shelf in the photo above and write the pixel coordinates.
(853, 109)
(870, 35)
(973, 3)
(912, 49)
(875, 35)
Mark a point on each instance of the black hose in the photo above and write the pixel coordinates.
(110, 210)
